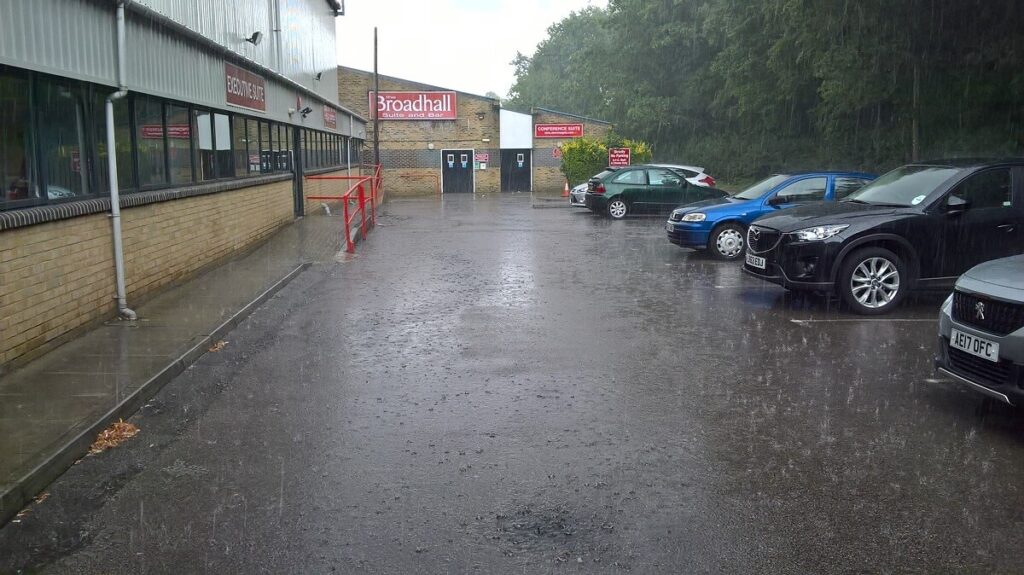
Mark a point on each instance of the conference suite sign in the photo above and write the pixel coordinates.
(244, 89)
(558, 131)
(415, 105)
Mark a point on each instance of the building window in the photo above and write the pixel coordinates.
(205, 169)
(62, 136)
(239, 139)
(266, 150)
(222, 143)
(252, 137)
(149, 135)
(179, 144)
(16, 159)
(286, 143)
(275, 132)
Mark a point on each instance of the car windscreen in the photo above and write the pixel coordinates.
(906, 186)
(759, 189)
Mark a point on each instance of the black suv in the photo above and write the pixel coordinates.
(919, 226)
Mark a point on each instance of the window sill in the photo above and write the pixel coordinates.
(19, 218)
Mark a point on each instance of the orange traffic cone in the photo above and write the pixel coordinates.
(565, 191)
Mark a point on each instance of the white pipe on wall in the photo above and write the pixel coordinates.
(123, 311)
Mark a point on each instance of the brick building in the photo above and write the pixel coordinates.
(551, 130)
(475, 146)
(413, 152)
(216, 121)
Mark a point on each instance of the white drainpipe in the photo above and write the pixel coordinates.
(123, 311)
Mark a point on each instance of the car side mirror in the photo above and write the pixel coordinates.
(776, 201)
(956, 205)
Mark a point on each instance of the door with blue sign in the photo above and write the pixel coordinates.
(457, 171)
(515, 171)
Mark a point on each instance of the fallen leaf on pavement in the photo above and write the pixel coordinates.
(218, 346)
(113, 436)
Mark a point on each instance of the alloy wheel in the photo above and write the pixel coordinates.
(875, 282)
(617, 209)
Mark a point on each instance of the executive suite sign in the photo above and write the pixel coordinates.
(558, 131)
(245, 89)
(415, 105)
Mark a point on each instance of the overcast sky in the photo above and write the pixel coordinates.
(464, 45)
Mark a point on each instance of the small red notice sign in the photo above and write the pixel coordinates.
(330, 118)
(618, 157)
(558, 131)
(245, 89)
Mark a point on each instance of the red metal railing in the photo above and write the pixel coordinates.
(354, 201)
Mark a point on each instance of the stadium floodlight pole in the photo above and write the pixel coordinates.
(376, 106)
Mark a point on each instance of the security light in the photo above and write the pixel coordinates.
(318, 76)
(255, 39)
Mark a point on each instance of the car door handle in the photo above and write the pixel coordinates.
(1008, 228)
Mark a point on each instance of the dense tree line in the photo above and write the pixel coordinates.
(750, 86)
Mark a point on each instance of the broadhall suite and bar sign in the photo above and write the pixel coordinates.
(415, 105)
(245, 89)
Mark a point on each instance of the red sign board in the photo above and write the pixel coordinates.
(560, 131)
(245, 89)
(156, 131)
(330, 118)
(415, 105)
(618, 157)
(481, 157)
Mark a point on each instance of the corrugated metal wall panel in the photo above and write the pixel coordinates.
(73, 38)
(226, 22)
(163, 64)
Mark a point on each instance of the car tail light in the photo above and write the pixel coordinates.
(709, 181)
(599, 189)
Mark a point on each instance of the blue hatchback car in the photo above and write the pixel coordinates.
(720, 225)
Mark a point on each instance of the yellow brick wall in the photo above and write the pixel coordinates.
(59, 276)
(54, 277)
(327, 188)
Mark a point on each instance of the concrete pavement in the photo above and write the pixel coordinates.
(493, 388)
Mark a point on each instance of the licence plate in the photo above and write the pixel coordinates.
(975, 345)
(669, 227)
(755, 261)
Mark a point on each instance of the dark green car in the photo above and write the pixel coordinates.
(643, 189)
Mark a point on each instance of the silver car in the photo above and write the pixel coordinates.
(578, 196)
(981, 330)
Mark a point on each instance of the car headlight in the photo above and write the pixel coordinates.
(694, 217)
(818, 233)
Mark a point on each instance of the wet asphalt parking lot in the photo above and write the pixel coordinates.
(493, 388)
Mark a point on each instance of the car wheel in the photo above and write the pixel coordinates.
(726, 242)
(873, 281)
(617, 209)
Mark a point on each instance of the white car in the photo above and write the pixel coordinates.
(693, 174)
(578, 196)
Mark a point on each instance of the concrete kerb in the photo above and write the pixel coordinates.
(543, 202)
(15, 497)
